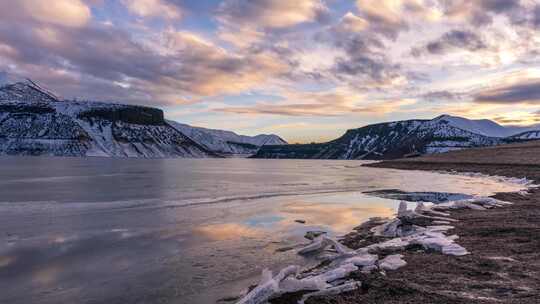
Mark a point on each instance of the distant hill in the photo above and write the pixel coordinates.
(484, 127)
(34, 121)
(402, 139)
(527, 135)
(227, 142)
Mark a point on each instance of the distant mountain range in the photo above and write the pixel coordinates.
(404, 139)
(33, 121)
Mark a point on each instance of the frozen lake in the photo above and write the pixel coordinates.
(103, 230)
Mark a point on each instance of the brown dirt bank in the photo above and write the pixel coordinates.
(504, 264)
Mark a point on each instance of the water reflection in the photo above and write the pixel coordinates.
(227, 231)
(124, 231)
(334, 213)
(335, 217)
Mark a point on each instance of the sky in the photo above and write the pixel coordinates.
(306, 70)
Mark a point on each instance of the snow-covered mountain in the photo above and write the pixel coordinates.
(227, 142)
(397, 139)
(36, 122)
(527, 135)
(484, 127)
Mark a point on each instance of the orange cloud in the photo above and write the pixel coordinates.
(69, 13)
(334, 103)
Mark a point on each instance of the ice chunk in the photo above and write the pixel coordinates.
(454, 249)
(287, 271)
(489, 201)
(422, 209)
(321, 242)
(291, 284)
(338, 273)
(265, 276)
(392, 262)
(369, 269)
(441, 222)
(462, 204)
(340, 248)
(402, 208)
(395, 244)
(268, 286)
(388, 229)
(318, 244)
(261, 293)
(311, 235)
(439, 242)
(363, 260)
(349, 286)
(486, 202)
(439, 228)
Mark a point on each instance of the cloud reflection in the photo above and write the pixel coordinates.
(340, 218)
(220, 232)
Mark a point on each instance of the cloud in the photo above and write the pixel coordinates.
(389, 17)
(206, 69)
(536, 17)
(270, 13)
(442, 96)
(335, 103)
(352, 23)
(69, 13)
(374, 68)
(515, 121)
(450, 41)
(525, 92)
(153, 8)
(482, 12)
(363, 62)
(307, 51)
(161, 68)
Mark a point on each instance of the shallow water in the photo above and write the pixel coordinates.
(179, 231)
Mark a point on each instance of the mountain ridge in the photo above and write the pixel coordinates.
(34, 121)
(484, 127)
(227, 142)
(397, 139)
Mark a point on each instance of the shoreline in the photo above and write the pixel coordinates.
(502, 267)
(504, 264)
